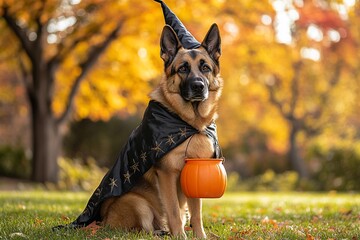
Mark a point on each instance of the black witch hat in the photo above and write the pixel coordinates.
(187, 40)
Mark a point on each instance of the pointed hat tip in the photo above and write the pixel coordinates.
(185, 37)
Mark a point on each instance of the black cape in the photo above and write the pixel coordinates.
(159, 132)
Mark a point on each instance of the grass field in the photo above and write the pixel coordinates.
(31, 215)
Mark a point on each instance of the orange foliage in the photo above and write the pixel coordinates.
(121, 80)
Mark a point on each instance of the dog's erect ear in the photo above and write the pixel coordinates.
(212, 42)
(169, 44)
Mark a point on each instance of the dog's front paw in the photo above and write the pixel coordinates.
(180, 235)
(200, 233)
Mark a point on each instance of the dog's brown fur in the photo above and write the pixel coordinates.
(157, 202)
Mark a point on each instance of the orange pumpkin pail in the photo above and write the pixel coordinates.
(203, 178)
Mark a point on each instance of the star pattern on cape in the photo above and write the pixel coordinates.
(98, 191)
(170, 140)
(135, 166)
(183, 132)
(127, 176)
(143, 156)
(157, 148)
(112, 183)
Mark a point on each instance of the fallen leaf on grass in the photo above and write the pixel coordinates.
(214, 214)
(92, 228)
(316, 218)
(309, 237)
(240, 233)
(272, 222)
(187, 228)
(345, 211)
(65, 218)
(228, 220)
(245, 232)
(38, 222)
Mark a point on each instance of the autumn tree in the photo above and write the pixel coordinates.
(48, 34)
(319, 36)
(56, 44)
(290, 61)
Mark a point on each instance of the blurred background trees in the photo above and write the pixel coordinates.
(82, 70)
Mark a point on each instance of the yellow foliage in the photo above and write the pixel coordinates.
(122, 78)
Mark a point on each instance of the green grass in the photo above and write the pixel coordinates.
(31, 215)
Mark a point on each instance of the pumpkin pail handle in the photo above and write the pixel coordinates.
(187, 145)
(221, 155)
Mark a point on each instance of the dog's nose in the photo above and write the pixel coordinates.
(197, 86)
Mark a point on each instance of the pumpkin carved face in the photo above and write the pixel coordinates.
(203, 178)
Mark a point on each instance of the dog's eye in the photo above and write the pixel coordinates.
(205, 68)
(183, 69)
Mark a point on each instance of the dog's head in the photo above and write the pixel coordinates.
(191, 72)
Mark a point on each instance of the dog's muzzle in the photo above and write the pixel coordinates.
(195, 90)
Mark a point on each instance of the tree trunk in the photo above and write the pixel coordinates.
(46, 142)
(296, 161)
(46, 139)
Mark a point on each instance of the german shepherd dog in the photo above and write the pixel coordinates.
(191, 88)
